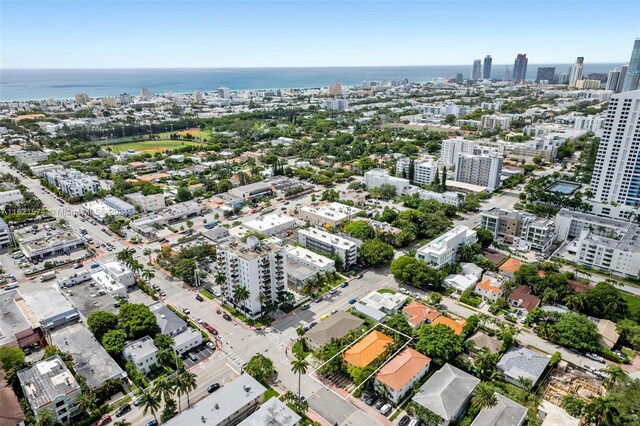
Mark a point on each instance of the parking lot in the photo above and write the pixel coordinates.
(201, 352)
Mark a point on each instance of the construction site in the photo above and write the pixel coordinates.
(572, 381)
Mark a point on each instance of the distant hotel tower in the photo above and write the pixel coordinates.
(546, 73)
(520, 68)
(486, 67)
(632, 79)
(476, 72)
(576, 72)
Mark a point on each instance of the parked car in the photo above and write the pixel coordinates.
(192, 356)
(379, 403)
(333, 291)
(152, 423)
(199, 298)
(78, 266)
(305, 307)
(595, 357)
(214, 387)
(199, 320)
(352, 300)
(106, 419)
(211, 346)
(226, 316)
(404, 421)
(370, 400)
(138, 400)
(344, 284)
(123, 410)
(318, 299)
(313, 324)
(385, 410)
(186, 311)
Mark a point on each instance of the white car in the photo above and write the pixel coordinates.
(385, 409)
(199, 321)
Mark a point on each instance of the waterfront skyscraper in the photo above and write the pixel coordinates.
(476, 71)
(486, 67)
(632, 79)
(520, 68)
(616, 175)
(459, 78)
(546, 73)
(623, 76)
(612, 79)
(505, 76)
(576, 71)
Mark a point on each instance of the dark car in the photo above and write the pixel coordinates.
(370, 400)
(123, 410)
(226, 316)
(404, 421)
(313, 324)
(199, 298)
(152, 423)
(214, 387)
(379, 403)
(344, 284)
(305, 307)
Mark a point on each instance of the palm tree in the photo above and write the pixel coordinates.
(575, 302)
(148, 275)
(166, 357)
(219, 279)
(466, 253)
(299, 366)
(87, 402)
(187, 383)
(45, 418)
(147, 252)
(241, 294)
(178, 391)
(135, 266)
(164, 389)
(151, 402)
(483, 396)
(615, 375)
(601, 412)
(125, 255)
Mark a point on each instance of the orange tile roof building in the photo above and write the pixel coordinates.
(367, 349)
(399, 374)
(456, 326)
(417, 314)
(510, 267)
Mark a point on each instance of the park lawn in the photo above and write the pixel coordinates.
(161, 145)
(270, 393)
(298, 349)
(633, 302)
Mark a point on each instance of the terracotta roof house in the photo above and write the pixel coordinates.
(578, 287)
(336, 326)
(522, 299)
(456, 326)
(417, 314)
(447, 393)
(399, 374)
(505, 413)
(489, 289)
(510, 267)
(367, 349)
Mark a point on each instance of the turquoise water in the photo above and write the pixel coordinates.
(62, 84)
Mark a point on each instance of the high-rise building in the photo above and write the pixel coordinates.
(486, 72)
(616, 175)
(505, 76)
(259, 268)
(564, 78)
(335, 89)
(481, 170)
(125, 98)
(602, 76)
(82, 98)
(576, 71)
(459, 78)
(623, 77)
(520, 68)
(632, 79)
(476, 71)
(145, 93)
(612, 79)
(197, 96)
(224, 92)
(451, 148)
(547, 74)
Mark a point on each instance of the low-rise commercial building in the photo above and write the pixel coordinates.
(49, 385)
(443, 250)
(18, 324)
(49, 243)
(6, 237)
(147, 203)
(50, 307)
(273, 412)
(330, 214)
(378, 177)
(11, 196)
(271, 224)
(120, 206)
(142, 353)
(345, 248)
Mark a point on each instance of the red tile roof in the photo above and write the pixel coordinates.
(402, 369)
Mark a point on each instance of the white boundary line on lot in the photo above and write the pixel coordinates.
(374, 328)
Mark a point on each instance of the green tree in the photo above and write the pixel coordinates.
(614, 375)
(169, 411)
(87, 402)
(399, 323)
(185, 269)
(125, 256)
(113, 341)
(164, 389)
(376, 253)
(187, 383)
(183, 195)
(330, 195)
(483, 397)
(299, 366)
(601, 411)
(260, 368)
(241, 295)
(137, 321)
(163, 342)
(485, 237)
(577, 331)
(573, 405)
(45, 418)
(360, 229)
(438, 342)
(100, 322)
(605, 301)
(11, 358)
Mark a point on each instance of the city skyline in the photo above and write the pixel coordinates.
(272, 34)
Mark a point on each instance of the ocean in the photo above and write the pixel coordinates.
(22, 85)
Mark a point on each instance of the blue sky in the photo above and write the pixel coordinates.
(186, 33)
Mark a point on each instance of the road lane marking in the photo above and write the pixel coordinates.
(233, 369)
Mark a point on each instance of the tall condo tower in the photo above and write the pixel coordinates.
(576, 71)
(632, 79)
(520, 68)
(486, 67)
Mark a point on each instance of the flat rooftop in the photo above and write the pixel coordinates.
(333, 211)
(272, 413)
(328, 238)
(12, 319)
(218, 407)
(47, 302)
(309, 256)
(85, 297)
(90, 360)
(563, 187)
(244, 251)
(46, 380)
(269, 221)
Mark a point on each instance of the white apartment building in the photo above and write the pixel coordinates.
(520, 229)
(616, 177)
(451, 148)
(424, 171)
(330, 214)
(260, 268)
(6, 238)
(480, 170)
(147, 203)
(447, 197)
(443, 250)
(142, 353)
(317, 239)
(592, 123)
(310, 259)
(28, 157)
(120, 273)
(187, 340)
(271, 224)
(335, 104)
(12, 196)
(44, 168)
(378, 177)
(49, 385)
(122, 207)
(73, 182)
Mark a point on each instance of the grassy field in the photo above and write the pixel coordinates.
(158, 145)
(632, 301)
(196, 133)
